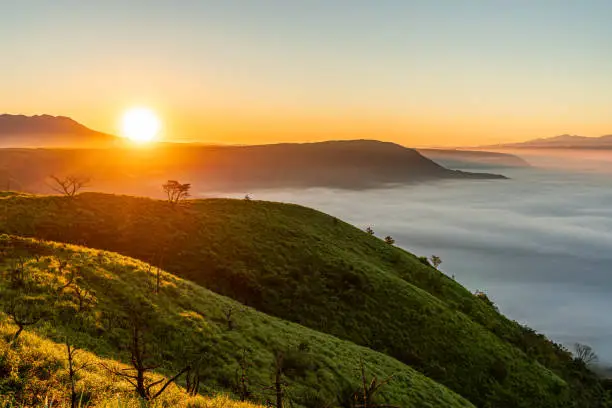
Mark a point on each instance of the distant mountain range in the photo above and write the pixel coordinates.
(49, 131)
(561, 142)
(354, 164)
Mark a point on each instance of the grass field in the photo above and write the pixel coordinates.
(185, 324)
(309, 268)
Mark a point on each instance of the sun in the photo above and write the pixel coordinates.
(140, 125)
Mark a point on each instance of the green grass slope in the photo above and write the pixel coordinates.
(307, 267)
(105, 294)
(37, 371)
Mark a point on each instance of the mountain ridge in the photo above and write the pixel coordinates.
(49, 131)
(565, 141)
(361, 164)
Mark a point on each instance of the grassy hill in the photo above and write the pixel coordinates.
(307, 267)
(36, 371)
(93, 300)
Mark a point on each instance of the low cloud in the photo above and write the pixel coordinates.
(540, 244)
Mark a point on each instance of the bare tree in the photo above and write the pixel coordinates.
(23, 314)
(370, 231)
(228, 317)
(243, 380)
(85, 298)
(73, 370)
(69, 282)
(138, 374)
(585, 354)
(176, 191)
(365, 396)
(159, 261)
(69, 186)
(436, 261)
(278, 379)
(389, 240)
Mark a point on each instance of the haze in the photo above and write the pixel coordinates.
(414, 72)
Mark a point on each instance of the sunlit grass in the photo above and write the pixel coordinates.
(307, 267)
(187, 317)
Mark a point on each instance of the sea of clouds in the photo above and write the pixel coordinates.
(540, 244)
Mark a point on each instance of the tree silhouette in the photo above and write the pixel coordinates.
(365, 396)
(436, 261)
(176, 191)
(585, 354)
(24, 312)
(69, 186)
(142, 363)
(73, 370)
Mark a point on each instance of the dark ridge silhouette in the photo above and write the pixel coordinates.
(49, 131)
(359, 164)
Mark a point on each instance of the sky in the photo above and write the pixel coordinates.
(420, 73)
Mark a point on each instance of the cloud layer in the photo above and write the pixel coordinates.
(539, 244)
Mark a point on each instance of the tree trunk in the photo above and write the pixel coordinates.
(73, 394)
(19, 330)
(278, 381)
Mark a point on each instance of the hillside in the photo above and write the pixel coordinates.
(48, 131)
(473, 159)
(37, 369)
(94, 299)
(341, 164)
(307, 267)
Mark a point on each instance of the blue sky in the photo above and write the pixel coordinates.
(418, 72)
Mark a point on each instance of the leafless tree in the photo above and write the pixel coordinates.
(585, 354)
(23, 314)
(243, 380)
(138, 374)
(228, 317)
(436, 261)
(69, 186)
(176, 191)
(365, 396)
(85, 298)
(71, 280)
(73, 370)
(278, 379)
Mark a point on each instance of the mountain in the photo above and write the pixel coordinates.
(309, 268)
(181, 324)
(49, 131)
(563, 142)
(358, 164)
(473, 159)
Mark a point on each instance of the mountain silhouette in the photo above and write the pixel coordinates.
(49, 131)
(565, 141)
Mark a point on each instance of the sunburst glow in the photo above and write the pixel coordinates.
(140, 125)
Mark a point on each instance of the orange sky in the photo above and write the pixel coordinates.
(429, 73)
